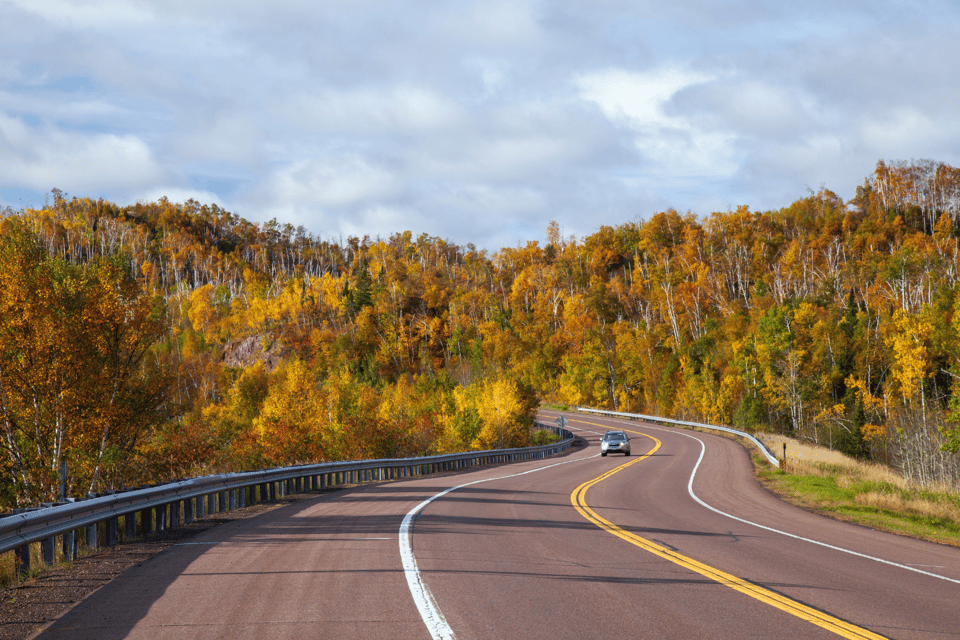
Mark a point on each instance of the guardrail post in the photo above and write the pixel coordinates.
(222, 505)
(47, 550)
(23, 560)
(146, 521)
(69, 545)
(201, 507)
(161, 519)
(175, 514)
(113, 531)
(211, 503)
(90, 535)
(232, 497)
(188, 511)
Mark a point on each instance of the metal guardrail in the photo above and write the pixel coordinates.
(771, 458)
(165, 506)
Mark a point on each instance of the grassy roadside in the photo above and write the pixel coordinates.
(865, 493)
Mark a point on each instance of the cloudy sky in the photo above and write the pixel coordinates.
(476, 121)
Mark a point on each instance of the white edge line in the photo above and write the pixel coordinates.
(703, 450)
(426, 604)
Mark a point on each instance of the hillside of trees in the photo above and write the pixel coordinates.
(164, 340)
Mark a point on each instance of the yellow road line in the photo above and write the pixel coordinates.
(819, 618)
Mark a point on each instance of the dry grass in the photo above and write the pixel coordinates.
(800, 451)
(810, 459)
(861, 489)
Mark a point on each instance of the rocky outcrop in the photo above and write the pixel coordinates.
(245, 353)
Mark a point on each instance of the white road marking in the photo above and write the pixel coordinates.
(426, 604)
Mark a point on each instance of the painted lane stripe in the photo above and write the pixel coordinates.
(834, 625)
(784, 533)
(429, 610)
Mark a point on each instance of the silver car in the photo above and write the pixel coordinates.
(615, 441)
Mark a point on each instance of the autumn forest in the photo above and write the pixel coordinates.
(161, 340)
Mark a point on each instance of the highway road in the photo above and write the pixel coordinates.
(676, 541)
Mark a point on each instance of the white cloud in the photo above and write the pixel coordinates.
(671, 142)
(394, 109)
(45, 157)
(339, 182)
(908, 131)
(752, 107)
(493, 74)
(74, 111)
(101, 14)
(489, 24)
(231, 137)
(180, 194)
(636, 98)
(482, 199)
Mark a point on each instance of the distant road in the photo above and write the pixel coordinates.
(576, 546)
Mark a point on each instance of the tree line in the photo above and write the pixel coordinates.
(163, 339)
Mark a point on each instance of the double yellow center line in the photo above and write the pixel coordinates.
(835, 625)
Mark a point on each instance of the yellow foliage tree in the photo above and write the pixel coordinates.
(75, 381)
(500, 408)
(298, 421)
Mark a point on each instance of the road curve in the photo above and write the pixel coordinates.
(508, 554)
